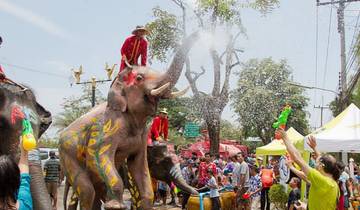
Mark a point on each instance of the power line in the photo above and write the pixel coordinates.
(316, 56)
(33, 70)
(327, 48)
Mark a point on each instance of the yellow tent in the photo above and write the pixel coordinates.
(277, 147)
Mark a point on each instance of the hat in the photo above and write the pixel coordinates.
(351, 160)
(164, 110)
(140, 28)
(190, 161)
(259, 158)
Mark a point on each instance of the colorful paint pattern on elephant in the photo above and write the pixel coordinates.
(96, 148)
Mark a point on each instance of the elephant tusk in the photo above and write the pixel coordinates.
(159, 90)
(179, 93)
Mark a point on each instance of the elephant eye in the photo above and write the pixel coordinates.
(139, 77)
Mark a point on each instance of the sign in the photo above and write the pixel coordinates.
(192, 130)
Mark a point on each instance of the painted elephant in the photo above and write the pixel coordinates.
(162, 165)
(17, 102)
(94, 146)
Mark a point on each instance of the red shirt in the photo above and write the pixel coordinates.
(159, 127)
(132, 48)
(203, 167)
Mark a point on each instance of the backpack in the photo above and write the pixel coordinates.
(267, 179)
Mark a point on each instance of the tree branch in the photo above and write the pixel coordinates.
(217, 74)
(190, 78)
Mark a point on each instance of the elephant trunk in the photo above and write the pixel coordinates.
(179, 181)
(173, 73)
(41, 199)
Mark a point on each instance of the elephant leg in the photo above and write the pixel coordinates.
(138, 168)
(80, 182)
(97, 204)
(115, 187)
(85, 190)
(73, 202)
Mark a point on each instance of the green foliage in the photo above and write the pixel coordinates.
(75, 107)
(335, 105)
(177, 138)
(355, 97)
(164, 34)
(47, 142)
(229, 130)
(278, 196)
(180, 111)
(264, 6)
(262, 91)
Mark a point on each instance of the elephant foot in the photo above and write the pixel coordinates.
(114, 205)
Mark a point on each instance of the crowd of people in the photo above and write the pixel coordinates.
(329, 183)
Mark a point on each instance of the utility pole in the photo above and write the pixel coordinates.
(341, 30)
(77, 73)
(321, 113)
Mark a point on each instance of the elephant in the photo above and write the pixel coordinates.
(162, 165)
(17, 102)
(94, 146)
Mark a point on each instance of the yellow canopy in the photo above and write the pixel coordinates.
(277, 147)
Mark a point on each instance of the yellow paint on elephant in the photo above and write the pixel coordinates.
(107, 169)
(103, 162)
(91, 142)
(91, 151)
(78, 190)
(67, 144)
(131, 191)
(113, 181)
(83, 135)
(110, 129)
(107, 126)
(95, 134)
(104, 149)
(94, 128)
(94, 120)
(74, 135)
(80, 152)
(91, 164)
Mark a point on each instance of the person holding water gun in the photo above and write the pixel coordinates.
(282, 120)
(14, 178)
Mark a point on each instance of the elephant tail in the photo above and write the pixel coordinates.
(66, 192)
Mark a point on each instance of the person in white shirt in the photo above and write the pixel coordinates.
(214, 190)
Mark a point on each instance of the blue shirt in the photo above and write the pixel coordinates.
(255, 184)
(24, 196)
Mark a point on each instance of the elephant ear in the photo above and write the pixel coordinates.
(45, 118)
(116, 98)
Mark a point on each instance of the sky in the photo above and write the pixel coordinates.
(50, 38)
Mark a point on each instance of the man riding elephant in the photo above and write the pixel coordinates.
(134, 47)
(159, 128)
(94, 146)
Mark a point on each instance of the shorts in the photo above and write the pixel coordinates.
(52, 188)
(239, 197)
(162, 193)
